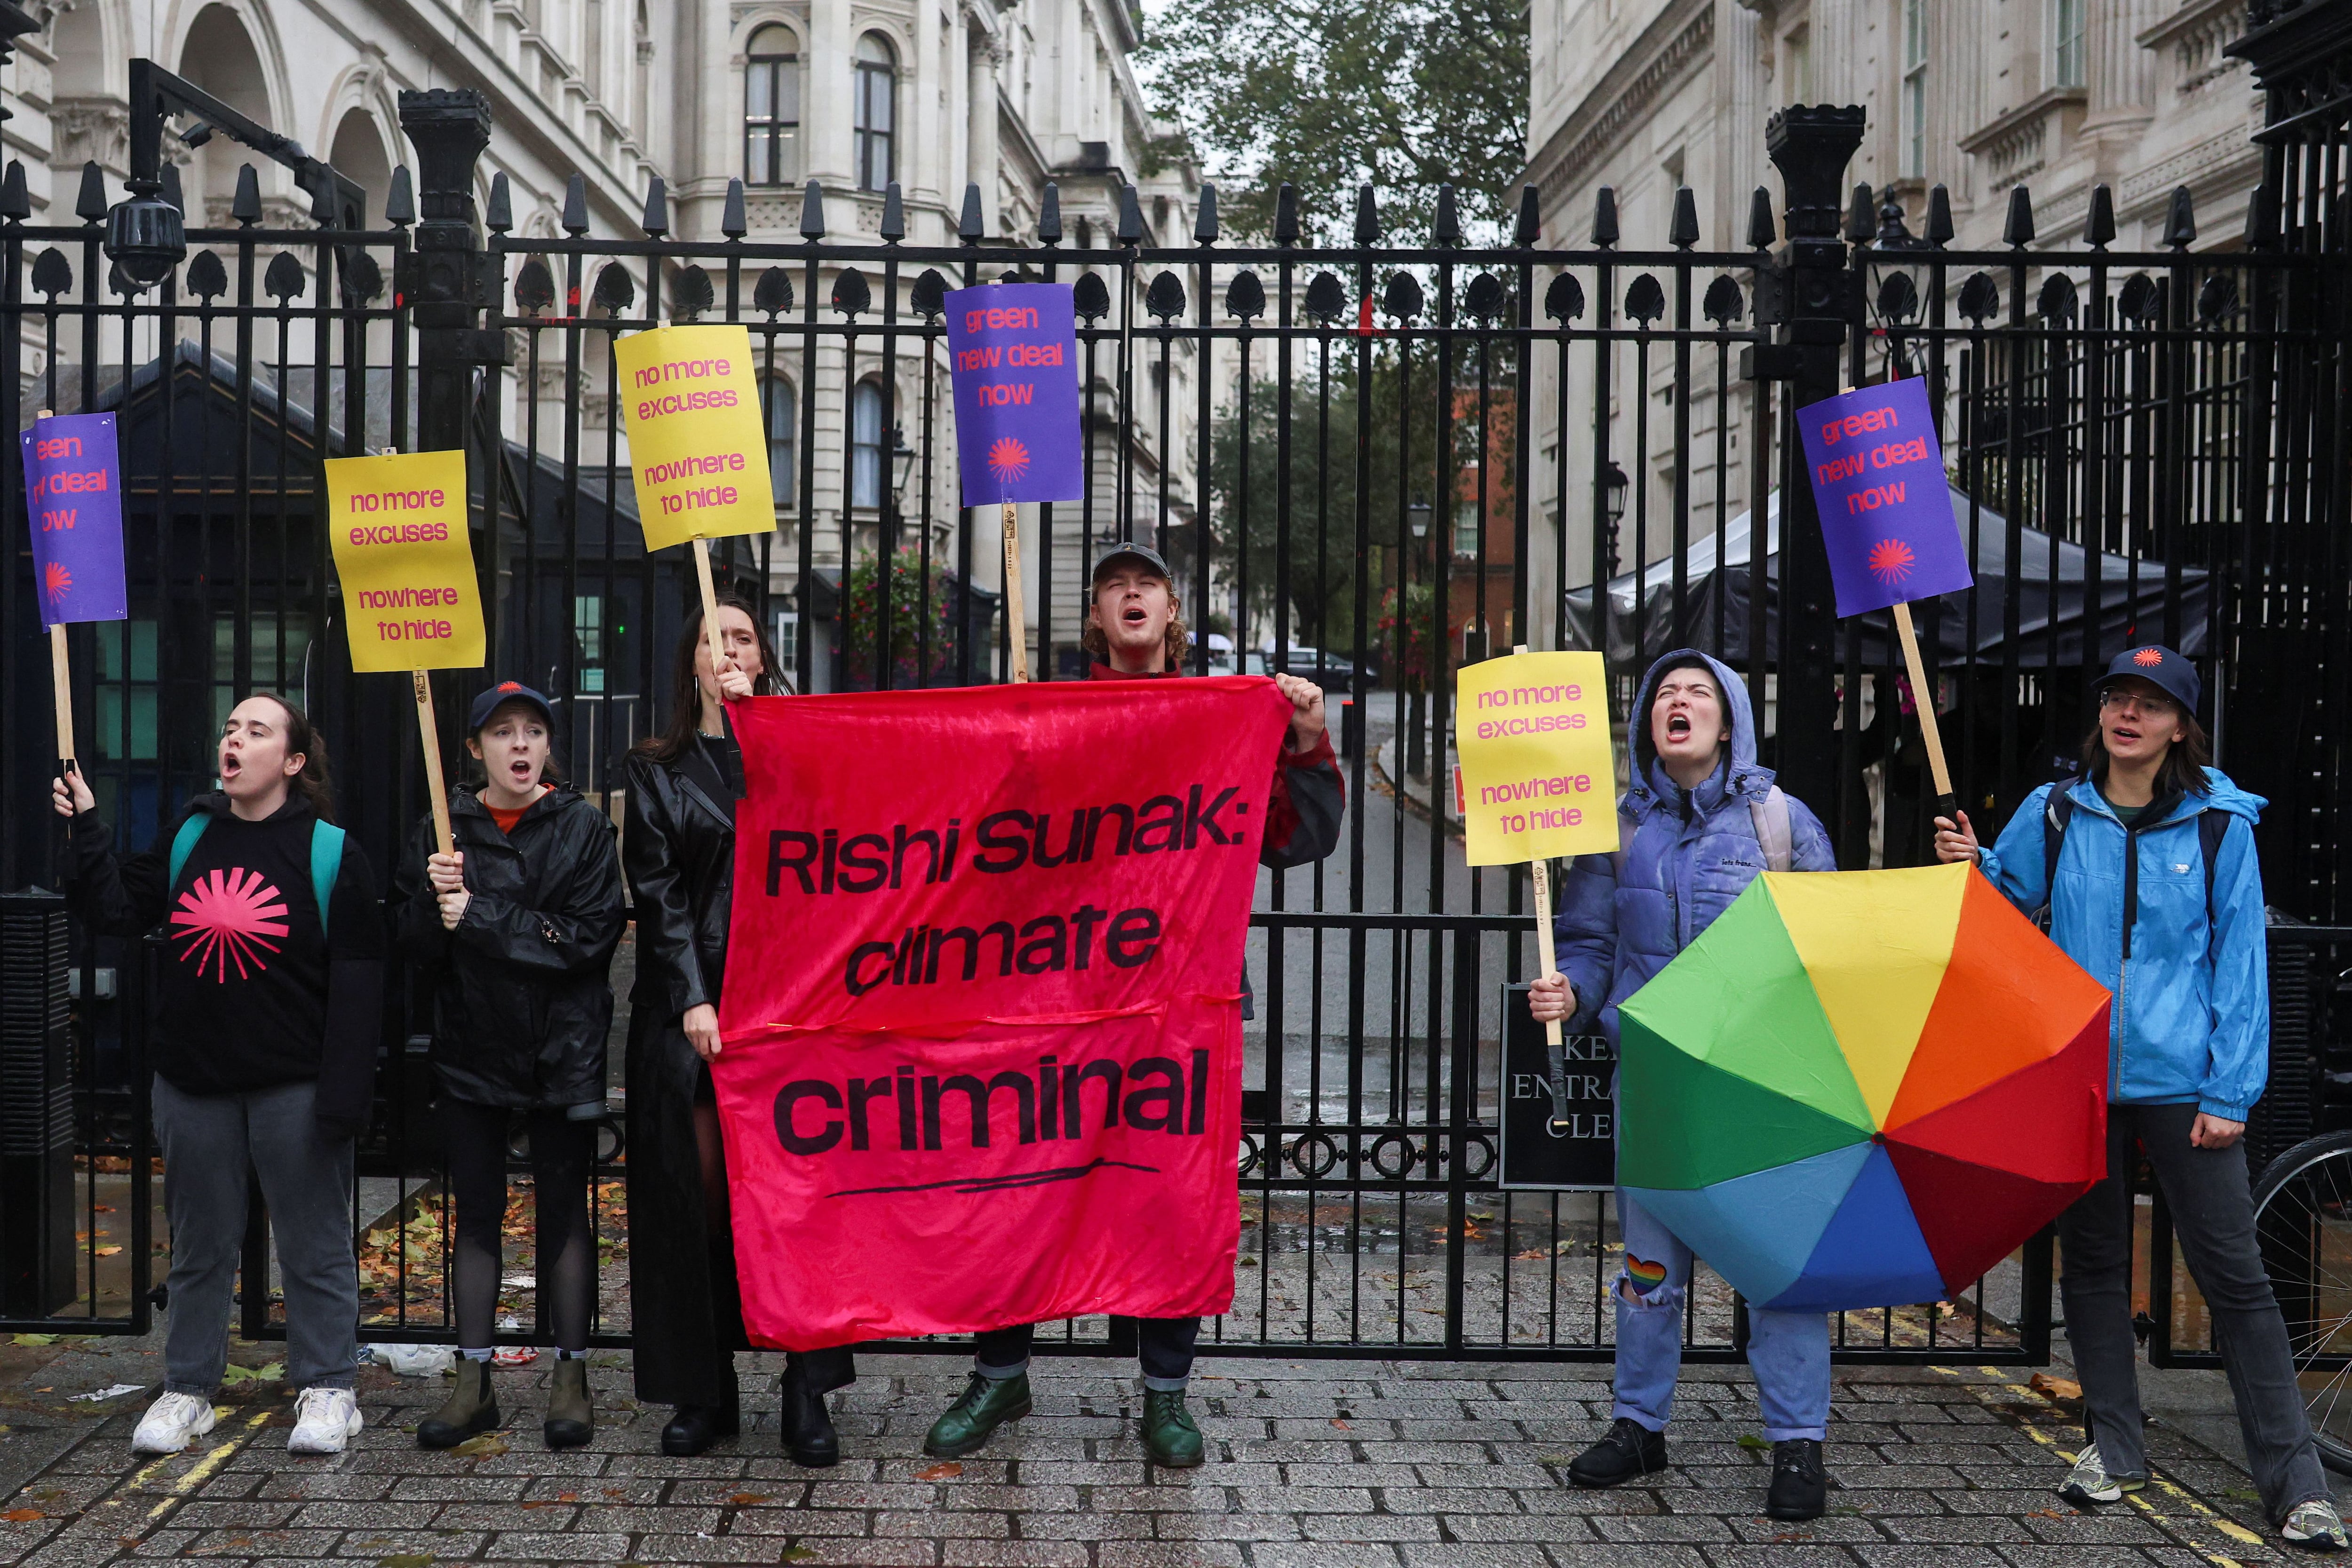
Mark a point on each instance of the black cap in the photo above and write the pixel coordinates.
(1129, 549)
(497, 697)
(2160, 666)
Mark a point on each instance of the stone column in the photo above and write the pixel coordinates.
(925, 171)
(827, 76)
(983, 142)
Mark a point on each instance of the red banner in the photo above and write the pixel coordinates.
(982, 1018)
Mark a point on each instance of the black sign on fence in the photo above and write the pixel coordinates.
(1559, 1112)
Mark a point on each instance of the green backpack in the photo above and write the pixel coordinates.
(326, 856)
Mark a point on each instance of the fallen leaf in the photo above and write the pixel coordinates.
(1753, 1443)
(107, 1251)
(746, 1499)
(1341, 1424)
(540, 1502)
(796, 1555)
(941, 1472)
(615, 1491)
(102, 1209)
(567, 1497)
(269, 1373)
(488, 1445)
(406, 1560)
(23, 1515)
(36, 1339)
(1531, 1255)
(2050, 1387)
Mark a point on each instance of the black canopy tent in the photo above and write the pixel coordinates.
(2132, 596)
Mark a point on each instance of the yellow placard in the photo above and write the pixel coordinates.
(1538, 778)
(698, 445)
(397, 524)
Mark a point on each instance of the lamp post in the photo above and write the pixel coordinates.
(1417, 516)
(885, 652)
(1613, 485)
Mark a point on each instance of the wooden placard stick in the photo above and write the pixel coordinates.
(431, 732)
(1016, 617)
(1924, 699)
(1541, 872)
(61, 682)
(710, 607)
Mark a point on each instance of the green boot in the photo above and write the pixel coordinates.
(472, 1408)
(570, 1416)
(1169, 1434)
(987, 1404)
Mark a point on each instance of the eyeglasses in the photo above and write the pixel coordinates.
(2154, 706)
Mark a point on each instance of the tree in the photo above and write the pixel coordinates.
(1327, 95)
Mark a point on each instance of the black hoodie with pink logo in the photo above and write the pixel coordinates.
(253, 990)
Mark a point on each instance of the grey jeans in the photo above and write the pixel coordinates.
(210, 1143)
(2213, 1216)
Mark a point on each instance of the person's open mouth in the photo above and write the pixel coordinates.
(521, 771)
(1133, 615)
(2124, 732)
(1678, 727)
(229, 765)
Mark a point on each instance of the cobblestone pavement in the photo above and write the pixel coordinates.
(1314, 1465)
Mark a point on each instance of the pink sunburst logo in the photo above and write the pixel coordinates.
(2149, 658)
(229, 917)
(57, 581)
(1890, 561)
(1008, 460)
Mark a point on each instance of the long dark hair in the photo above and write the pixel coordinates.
(685, 694)
(2182, 771)
(303, 740)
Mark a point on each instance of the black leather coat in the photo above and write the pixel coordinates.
(679, 855)
(523, 998)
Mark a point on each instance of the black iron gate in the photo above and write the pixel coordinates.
(1389, 458)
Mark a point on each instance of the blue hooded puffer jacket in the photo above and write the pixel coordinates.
(2190, 1022)
(1691, 853)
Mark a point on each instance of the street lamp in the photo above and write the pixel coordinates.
(902, 461)
(1613, 485)
(1417, 514)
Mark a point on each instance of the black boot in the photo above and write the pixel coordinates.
(1800, 1488)
(696, 1427)
(807, 1424)
(1628, 1449)
(472, 1408)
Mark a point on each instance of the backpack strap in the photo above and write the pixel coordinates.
(1769, 817)
(184, 843)
(2058, 810)
(326, 865)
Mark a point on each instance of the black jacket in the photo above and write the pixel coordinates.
(678, 852)
(521, 998)
(254, 991)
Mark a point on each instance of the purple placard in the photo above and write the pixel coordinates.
(73, 498)
(1886, 511)
(1013, 353)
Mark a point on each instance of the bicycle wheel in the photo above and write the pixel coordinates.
(2303, 1219)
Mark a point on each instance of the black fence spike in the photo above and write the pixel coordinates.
(16, 199)
(2180, 219)
(1367, 216)
(734, 222)
(1205, 215)
(1682, 232)
(1130, 217)
(1528, 229)
(657, 219)
(812, 211)
(1049, 213)
(1447, 228)
(1861, 216)
(968, 226)
(2262, 217)
(2099, 221)
(1761, 229)
(245, 207)
(89, 204)
(400, 202)
(894, 214)
(500, 217)
(2017, 229)
(575, 206)
(1605, 216)
(1286, 214)
(1938, 230)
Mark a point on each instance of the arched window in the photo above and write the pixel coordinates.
(771, 109)
(866, 445)
(875, 99)
(783, 423)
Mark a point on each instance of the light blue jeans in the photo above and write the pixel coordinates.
(1788, 1352)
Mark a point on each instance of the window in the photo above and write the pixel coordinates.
(771, 109)
(1915, 90)
(782, 475)
(874, 98)
(866, 445)
(2066, 46)
(588, 641)
(1466, 528)
(788, 643)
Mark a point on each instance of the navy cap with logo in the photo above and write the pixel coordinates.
(1129, 552)
(2161, 668)
(497, 697)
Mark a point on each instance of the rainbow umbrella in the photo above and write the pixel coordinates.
(1862, 1089)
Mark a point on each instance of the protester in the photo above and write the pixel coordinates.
(2143, 867)
(677, 848)
(1699, 823)
(518, 925)
(1135, 630)
(267, 1014)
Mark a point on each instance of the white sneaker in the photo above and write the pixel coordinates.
(172, 1423)
(2090, 1481)
(2314, 1526)
(324, 1420)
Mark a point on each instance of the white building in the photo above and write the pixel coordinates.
(931, 95)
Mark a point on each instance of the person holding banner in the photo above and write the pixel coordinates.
(518, 925)
(1700, 822)
(677, 849)
(1135, 630)
(268, 1014)
(2144, 869)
